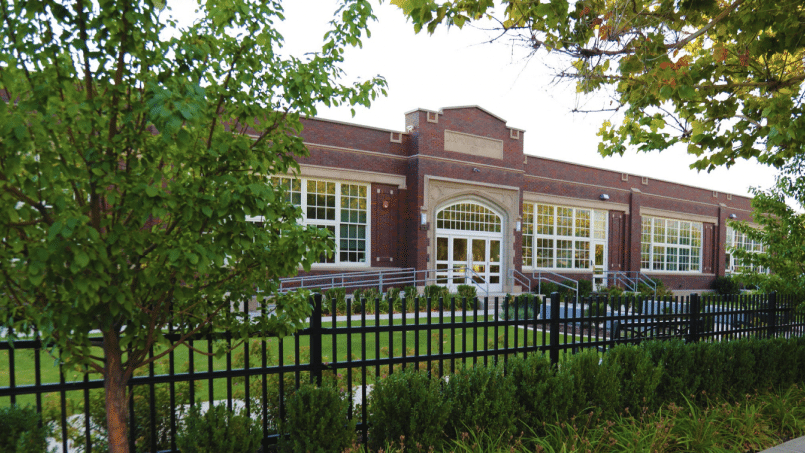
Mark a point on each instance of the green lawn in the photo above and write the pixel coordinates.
(451, 340)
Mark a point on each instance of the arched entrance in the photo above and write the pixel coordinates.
(469, 241)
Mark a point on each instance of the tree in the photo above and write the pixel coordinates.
(131, 152)
(781, 231)
(725, 78)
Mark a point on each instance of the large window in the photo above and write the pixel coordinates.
(339, 207)
(670, 245)
(737, 240)
(557, 237)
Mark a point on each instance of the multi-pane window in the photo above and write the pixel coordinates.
(340, 208)
(559, 237)
(468, 217)
(737, 240)
(670, 245)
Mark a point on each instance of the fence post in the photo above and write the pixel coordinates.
(554, 346)
(315, 341)
(773, 314)
(695, 317)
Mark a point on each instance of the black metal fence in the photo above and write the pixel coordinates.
(354, 351)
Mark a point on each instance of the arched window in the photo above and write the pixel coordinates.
(468, 216)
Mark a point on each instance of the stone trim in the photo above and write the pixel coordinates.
(674, 215)
(564, 181)
(474, 145)
(503, 200)
(466, 163)
(574, 202)
(315, 171)
(353, 150)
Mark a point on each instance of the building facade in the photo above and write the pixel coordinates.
(455, 191)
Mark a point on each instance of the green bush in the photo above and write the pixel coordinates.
(725, 286)
(680, 377)
(545, 288)
(434, 292)
(470, 292)
(408, 405)
(316, 420)
(598, 381)
(585, 288)
(524, 306)
(141, 395)
(219, 430)
(660, 289)
(544, 395)
(22, 430)
(481, 398)
(637, 374)
(334, 297)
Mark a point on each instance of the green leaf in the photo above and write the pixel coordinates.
(151, 191)
(81, 258)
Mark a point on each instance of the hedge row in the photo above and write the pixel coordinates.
(412, 408)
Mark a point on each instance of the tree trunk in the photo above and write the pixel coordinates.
(115, 389)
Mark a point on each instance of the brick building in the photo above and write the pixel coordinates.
(455, 191)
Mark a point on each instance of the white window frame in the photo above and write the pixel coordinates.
(531, 228)
(650, 249)
(740, 240)
(335, 223)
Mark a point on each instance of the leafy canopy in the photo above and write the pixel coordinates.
(131, 152)
(780, 228)
(725, 78)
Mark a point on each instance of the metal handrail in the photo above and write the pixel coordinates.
(380, 278)
(632, 279)
(515, 275)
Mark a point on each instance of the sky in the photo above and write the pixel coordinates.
(460, 67)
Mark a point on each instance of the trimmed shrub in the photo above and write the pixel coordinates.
(219, 430)
(598, 381)
(645, 290)
(680, 377)
(408, 405)
(434, 292)
(316, 421)
(524, 306)
(545, 288)
(585, 288)
(468, 291)
(637, 374)
(724, 286)
(334, 297)
(483, 399)
(22, 430)
(544, 395)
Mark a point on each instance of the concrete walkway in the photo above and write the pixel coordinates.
(792, 446)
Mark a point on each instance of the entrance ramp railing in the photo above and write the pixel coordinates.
(539, 277)
(631, 280)
(383, 279)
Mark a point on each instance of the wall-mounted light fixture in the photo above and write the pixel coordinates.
(476, 170)
(733, 216)
(423, 221)
(385, 204)
(517, 226)
(603, 197)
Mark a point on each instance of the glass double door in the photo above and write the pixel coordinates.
(469, 260)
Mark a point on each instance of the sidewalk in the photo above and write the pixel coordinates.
(792, 446)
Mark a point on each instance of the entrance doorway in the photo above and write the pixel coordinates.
(599, 264)
(468, 260)
(469, 240)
